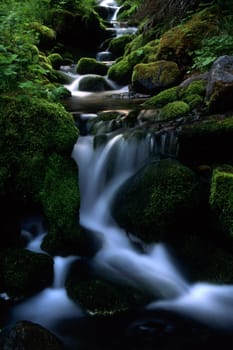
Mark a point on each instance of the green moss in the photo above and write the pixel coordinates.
(97, 295)
(155, 76)
(151, 50)
(179, 42)
(60, 199)
(162, 98)
(55, 60)
(214, 264)
(137, 43)
(128, 11)
(88, 65)
(34, 53)
(197, 87)
(59, 193)
(47, 36)
(108, 115)
(159, 200)
(58, 93)
(94, 83)
(151, 70)
(37, 141)
(135, 57)
(32, 130)
(194, 100)
(221, 196)
(118, 44)
(24, 273)
(121, 71)
(174, 110)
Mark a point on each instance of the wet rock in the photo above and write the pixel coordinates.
(157, 200)
(27, 336)
(24, 272)
(94, 83)
(99, 296)
(221, 197)
(87, 65)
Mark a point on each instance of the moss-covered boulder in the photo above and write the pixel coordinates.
(194, 101)
(26, 335)
(192, 93)
(24, 273)
(154, 77)
(174, 110)
(151, 50)
(59, 195)
(204, 259)
(118, 44)
(162, 98)
(208, 141)
(56, 60)
(195, 87)
(37, 138)
(158, 201)
(221, 197)
(105, 122)
(87, 65)
(99, 296)
(178, 43)
(31, 130)
(94, 83)
(47, 35)
(121, 71)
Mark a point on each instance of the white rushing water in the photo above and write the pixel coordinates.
(154, 270)
(52, 305)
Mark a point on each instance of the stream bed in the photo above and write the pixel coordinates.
(180, 314)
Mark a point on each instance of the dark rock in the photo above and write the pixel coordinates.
(220, 85)
(94, 83)
(27, 336)
(162, 330)
(207, 141)
(24, 272)
(159, 199)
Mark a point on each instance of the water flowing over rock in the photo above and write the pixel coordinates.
(129, 151)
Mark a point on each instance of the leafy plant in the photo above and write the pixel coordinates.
(212, 48)
(18, 54)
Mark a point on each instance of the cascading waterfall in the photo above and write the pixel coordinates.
(102, 170)
(152, 271)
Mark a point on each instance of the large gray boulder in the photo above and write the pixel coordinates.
(219, 90)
